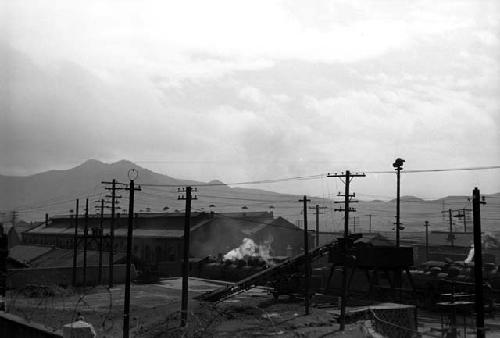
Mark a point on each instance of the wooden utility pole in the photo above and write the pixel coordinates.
(317, 208)
(185, 266)
(347, 198)
(451, 236)
(462, 213)
(101, 232)
(317, 225)
(113, 197)
(398, 164)
(426, 225)
(478, 262)
(130, 229)
(307, 265)
(112, 235)
(75, 243)
(4, 254)
(14, 217)
(85, 234)
(370, 226)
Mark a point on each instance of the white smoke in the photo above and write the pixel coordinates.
(248, 248)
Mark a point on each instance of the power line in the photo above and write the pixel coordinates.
(437, 170)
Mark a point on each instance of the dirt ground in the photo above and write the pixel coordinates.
(155, 312)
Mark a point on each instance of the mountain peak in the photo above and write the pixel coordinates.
(408, 198)
(216, 182)
(124, 162)
(91, 163)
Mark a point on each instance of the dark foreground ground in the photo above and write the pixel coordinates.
(155, 313)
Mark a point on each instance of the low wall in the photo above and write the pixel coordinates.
(14, 326)
(63, 276)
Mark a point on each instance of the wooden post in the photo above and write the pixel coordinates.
(478, 263)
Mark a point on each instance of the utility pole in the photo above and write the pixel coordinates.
(101, 232)
(317, 208)
(451, 236)
(478, 262)
(462, 213)
(426, 225)
(113, 197)
(370, 226)
(347, 198)
(14, 218)
(4, 253)
(126, 307)
(75, 243)
(307, 265)
(398, 164)
(85, 234)
(185, 266)
(450, 216)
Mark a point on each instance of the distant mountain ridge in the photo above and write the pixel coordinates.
(55, 192)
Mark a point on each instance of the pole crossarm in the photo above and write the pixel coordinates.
(351, 209)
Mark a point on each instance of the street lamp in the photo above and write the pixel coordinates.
(398, 164)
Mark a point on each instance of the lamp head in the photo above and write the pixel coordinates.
(398, 163)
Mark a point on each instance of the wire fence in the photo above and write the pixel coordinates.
(56, 306)
(394, 323)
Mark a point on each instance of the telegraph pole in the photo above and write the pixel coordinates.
(14, 218)
(185, 266)
(317, 208)
(75, 243)
(398, 164)
(462, 213)
(112, 235)
(478, 262)
(451, 227)
(4, 253)
(113, 197)
(347, 198)
(426, 225)
(370, 227)
(307, 265)
(126, 307)
(101, 232)
(85, 234)
(451, 236)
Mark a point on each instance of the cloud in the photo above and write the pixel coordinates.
(250, 91)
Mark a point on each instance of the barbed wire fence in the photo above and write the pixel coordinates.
(55, 306)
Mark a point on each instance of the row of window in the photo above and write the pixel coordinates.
(146, 252)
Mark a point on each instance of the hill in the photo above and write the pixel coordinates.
(54, 192)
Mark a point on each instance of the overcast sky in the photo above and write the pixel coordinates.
(245, 90)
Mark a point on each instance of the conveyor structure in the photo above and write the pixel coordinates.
(270, 274)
